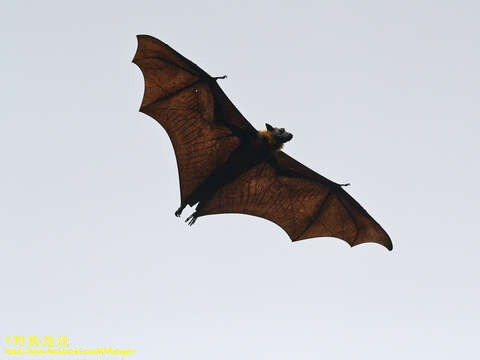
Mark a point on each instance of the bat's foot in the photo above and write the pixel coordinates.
(191, 219)
(179, 210)
(220, 77)
(347, 184)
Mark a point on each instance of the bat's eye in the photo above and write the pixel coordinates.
(195, 90)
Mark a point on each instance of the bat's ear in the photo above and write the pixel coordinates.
(269, 127)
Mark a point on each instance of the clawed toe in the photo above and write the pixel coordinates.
(179, 211)
(191, 219)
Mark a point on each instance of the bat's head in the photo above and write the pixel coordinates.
(280, 135)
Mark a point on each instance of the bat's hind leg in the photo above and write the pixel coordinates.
(180, 209)
(191, 219)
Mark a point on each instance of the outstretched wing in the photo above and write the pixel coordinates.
(302, 202)
(202, 123)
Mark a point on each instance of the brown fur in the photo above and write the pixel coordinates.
(272, 141)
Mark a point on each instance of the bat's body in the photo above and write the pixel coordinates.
(251, 153)
(227, 166)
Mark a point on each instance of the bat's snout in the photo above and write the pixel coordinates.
(285, 137)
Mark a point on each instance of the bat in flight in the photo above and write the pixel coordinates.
(226, 166)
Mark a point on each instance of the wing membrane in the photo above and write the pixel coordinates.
(202, 123)
(302, 202)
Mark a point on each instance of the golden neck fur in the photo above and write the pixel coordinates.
(270, 139)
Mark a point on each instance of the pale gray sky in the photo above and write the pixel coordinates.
(384, 95)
